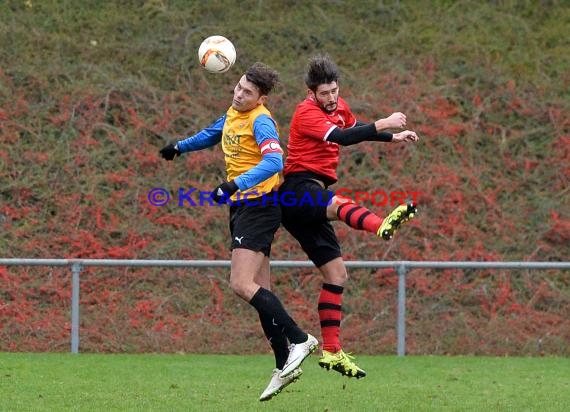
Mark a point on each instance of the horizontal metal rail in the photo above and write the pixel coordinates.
(401, 266)
(372, 264)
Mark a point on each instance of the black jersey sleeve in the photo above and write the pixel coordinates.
(359, 133)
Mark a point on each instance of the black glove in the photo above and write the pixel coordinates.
(169, 152)
(222, 193)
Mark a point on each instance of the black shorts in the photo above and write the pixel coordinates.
(253, 225)
(304, 208)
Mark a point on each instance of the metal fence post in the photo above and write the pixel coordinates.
(75, 270)
(401, 328)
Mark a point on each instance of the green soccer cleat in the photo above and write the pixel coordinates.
(392, 222)
(342, 363)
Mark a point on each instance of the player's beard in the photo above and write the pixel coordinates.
(330, 107)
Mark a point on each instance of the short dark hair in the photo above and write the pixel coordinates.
(321, 70)
(263, 76)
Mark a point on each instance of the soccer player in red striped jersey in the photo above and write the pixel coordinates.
(320, 125)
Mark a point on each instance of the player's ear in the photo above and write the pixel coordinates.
(311, 93)
(262, 99)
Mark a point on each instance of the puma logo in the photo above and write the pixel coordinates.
(239, 239)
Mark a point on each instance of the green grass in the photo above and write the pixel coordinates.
(93, 382)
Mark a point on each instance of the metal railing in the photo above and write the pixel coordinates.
(402, 268)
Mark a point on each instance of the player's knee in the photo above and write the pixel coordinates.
(239, 288)
(336, 277)
(342, 278)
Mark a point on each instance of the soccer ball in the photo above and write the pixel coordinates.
(217, 54)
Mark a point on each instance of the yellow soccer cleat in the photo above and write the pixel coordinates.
(342, 363)
(392, 222)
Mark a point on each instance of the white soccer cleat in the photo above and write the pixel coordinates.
(297, 354)
(277, 384)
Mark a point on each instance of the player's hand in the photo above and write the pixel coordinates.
(405, 136)
(395, 121)
(169, 152)
(223, 192)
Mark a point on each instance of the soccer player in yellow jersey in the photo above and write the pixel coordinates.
(253, 155)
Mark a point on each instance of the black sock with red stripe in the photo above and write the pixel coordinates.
(330, 315)
(358, 217)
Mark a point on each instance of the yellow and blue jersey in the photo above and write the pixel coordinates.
(250, 142)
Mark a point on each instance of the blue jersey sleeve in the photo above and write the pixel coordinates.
(267, 137)
(207, 137)
(264, 128)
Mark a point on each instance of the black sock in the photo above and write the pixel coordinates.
(269, 306)
(277, 340)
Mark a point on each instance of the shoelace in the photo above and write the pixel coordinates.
(349, 357)
(291, 346)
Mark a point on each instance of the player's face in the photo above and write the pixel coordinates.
(246, 96)
(326, 96)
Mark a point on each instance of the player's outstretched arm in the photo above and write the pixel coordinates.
(207, 137)
(405, 136)
(357, 134)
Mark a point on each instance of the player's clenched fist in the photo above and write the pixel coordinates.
(169, 152)
(223, 192)
(405, 136)
(396, 120)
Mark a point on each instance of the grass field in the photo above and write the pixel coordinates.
(93, 382)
